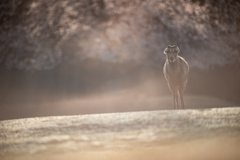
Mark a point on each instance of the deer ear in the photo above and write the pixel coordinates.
(178, 50)
(165, 51)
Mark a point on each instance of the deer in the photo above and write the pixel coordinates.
(176, 71)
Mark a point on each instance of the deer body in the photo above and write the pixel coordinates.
(176, 73)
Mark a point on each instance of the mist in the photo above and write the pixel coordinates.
(97, 56)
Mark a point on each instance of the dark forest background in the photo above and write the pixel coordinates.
(53, 50)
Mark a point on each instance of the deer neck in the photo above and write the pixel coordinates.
(174, 65)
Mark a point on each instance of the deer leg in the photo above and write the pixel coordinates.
(182, 102)
(181, 90)
(174, 100)
(173, 88)
(177, 98)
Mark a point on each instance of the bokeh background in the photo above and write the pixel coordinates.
(64, 57)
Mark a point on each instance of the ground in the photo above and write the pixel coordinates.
(95, 87)
(170, 134)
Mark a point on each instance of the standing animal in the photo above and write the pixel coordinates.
(176, 73)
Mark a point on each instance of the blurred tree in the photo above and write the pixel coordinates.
(37, 35)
